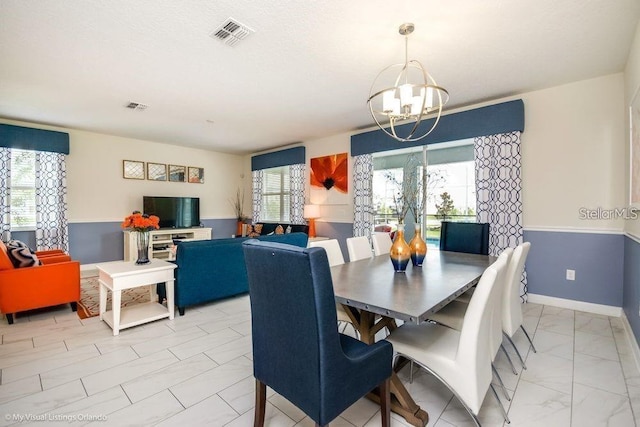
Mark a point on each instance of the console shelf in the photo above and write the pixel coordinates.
(160, 241)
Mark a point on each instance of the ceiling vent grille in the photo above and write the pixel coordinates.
(136, 106)
(231, 32)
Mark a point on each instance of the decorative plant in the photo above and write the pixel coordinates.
(400, 197)
(238, 205)
(141, 222)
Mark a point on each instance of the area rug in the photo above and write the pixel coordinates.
(89, 304)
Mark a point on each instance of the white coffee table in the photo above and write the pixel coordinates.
(119, 275)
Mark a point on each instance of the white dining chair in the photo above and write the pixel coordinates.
(359, 248)
(381, 243)
(511, 305)
(461, 360)
(334, 254)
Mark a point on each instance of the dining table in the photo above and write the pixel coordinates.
(375, 296)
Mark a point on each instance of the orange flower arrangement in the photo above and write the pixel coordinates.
(141, 222)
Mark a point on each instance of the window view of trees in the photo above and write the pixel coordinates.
(23, 189)
(450, 188)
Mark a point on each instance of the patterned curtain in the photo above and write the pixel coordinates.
(257, 177)
(498, 191)
(296, 187)
(5, 192)
(363, 195)
(52, 230)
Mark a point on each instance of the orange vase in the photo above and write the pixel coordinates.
(239, 229)
(418, 248)
(400, 253)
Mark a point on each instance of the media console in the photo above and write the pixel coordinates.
(160, 241)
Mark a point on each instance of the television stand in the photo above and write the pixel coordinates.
(160, 241)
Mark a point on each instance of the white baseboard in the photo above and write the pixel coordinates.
(632, 341)
(606, 310)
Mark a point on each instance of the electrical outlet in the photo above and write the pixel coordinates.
(571, 275)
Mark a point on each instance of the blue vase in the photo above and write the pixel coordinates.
(400, 252)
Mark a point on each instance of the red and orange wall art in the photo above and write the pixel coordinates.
(329, 180)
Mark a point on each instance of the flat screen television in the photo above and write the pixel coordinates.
(174, 212)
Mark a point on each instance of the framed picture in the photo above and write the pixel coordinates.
(634, 155)
(132, 169)
(329, 180)
(156, 171)
(177, 173)
(196, 175)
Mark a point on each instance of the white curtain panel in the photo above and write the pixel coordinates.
(363, 195)
(257, 177)
(52, 231)
(5, 193)
(296, 188)
(498, 191)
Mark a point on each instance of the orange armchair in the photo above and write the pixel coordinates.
(55, 282)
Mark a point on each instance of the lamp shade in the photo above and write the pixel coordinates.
(311, 211)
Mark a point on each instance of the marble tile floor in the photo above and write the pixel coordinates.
(197, 370)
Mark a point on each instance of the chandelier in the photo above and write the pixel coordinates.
(413, 98)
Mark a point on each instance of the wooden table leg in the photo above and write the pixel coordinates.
(401, 401)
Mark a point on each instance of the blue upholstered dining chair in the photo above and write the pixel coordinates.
(297, 350)
(468, 237)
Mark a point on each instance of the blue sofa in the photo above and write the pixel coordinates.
(210, 270)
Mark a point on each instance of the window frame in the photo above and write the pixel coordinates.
(284, 208)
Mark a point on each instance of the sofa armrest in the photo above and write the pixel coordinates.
(53, 259)
(39, 286)
(52, 252)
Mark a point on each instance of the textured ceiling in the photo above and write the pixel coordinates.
(305, 73)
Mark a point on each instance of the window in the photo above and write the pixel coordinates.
(23, 190)
(450, 170)
(276, 200)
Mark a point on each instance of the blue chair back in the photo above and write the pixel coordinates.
(297, 349)
(468, 237)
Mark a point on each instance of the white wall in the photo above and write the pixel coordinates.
(98, 192)
(632, 87)
(572, 154)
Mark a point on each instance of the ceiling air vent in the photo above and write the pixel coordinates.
(136, 106)
(231, 32)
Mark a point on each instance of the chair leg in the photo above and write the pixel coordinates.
(517, 351)
(504, 413)
(261, 401)
(504, 389)
(74, 306)
(529, 338)
(9, 318)
(385, 402)
(513, 368)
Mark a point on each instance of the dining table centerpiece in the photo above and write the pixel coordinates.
(142, 224)
(400, 253)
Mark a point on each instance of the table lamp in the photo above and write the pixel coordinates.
(311, 212)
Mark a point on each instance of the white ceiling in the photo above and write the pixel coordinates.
(305, 73)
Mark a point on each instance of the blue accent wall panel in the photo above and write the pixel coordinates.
(596, 258)
(336, 230)
(631, 299)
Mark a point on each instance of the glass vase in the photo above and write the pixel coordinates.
(143, 247)
(418, 248)
(400, 252)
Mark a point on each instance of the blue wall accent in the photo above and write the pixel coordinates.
(94, 242)
(290, 156)
(596, 258)
(336, 230)
(631, 303)
(33, 139)
(490, 120)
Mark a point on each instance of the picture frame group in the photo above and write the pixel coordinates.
(134, 169)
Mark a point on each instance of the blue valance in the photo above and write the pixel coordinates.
(490, 120)
(33, 139)
(290, 156)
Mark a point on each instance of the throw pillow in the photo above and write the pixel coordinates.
(279, 230)
(288, 230)
(22, 257)
(255, 230)
(17, 244)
